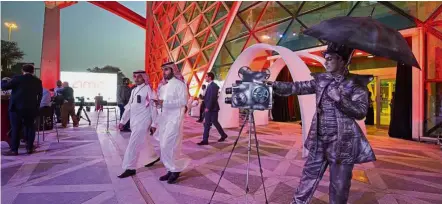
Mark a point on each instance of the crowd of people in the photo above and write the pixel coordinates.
(161, 114)
(334, 140)
(30, 104)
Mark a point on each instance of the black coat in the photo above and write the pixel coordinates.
(26, 93)
(211, 97)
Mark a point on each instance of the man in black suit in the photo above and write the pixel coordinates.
(23, 107)
(211, 110)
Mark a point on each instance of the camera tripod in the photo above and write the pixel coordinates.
(249, 118)
(79, 116)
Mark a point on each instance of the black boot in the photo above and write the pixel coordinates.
(165, 177)
(203, 143)
(127, 173)
(152, 163)
(173, 177)
(10, 153)
(30, 151)
(223, 138)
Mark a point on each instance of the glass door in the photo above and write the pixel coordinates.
(372, 113)
(386, 90)
(382, 89)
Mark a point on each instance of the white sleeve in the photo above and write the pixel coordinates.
(181, 99)
(126, 114)
(153, 109)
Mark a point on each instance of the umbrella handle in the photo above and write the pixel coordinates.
(349, 59)
(372, 11)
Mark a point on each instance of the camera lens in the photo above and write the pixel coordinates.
(228, 90)
(228, 100)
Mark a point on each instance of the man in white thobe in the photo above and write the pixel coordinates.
(142, 114)
(171, 102)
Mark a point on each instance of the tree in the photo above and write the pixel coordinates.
(10, 53)
(109, 69)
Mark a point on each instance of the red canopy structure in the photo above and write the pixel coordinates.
(50, 56)
(198, 60)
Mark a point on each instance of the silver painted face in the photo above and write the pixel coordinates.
(333, 63)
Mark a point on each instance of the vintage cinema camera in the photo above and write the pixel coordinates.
(252, 92)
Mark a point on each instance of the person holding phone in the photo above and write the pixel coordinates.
(142, 115)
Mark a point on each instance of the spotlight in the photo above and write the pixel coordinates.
(266, 37)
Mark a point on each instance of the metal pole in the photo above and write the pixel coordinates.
(107, 127)
(259, 157)
(9, 33)
(249, 148)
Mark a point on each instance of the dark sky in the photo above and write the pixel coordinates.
(90, 36)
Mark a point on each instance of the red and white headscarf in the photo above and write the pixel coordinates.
(176, 72)
(146, 81)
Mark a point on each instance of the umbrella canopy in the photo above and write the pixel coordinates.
(366, 34)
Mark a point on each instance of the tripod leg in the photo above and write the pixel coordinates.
(230, 156)
(38, 131)
(249, 149)
(56, 129)
(252, 119)
(44, 124)
(85, 113)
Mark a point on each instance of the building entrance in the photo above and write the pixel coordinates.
(382, 88)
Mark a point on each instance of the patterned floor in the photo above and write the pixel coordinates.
(82, 168)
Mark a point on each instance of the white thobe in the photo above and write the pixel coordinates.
(141, 119)
(170, 125)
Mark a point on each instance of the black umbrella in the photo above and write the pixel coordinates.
(366, 34)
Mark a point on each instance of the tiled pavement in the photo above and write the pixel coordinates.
(82, 168)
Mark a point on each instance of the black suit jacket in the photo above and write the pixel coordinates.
(26, 93)
(211, 97)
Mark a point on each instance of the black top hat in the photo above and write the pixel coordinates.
(341, 50)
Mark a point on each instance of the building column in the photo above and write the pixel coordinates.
(148, 40)
(418, 47)
(50, 54)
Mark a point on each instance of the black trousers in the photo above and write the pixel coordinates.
(58, 112)
(202, 107)
(209, 119)
(25, 119)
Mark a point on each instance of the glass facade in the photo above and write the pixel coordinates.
(190, 33)
(433, 86)
(186, 33)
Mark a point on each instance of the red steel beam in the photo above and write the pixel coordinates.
(67, 4)
(59, 4)
(122, 11)
(434, 15)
